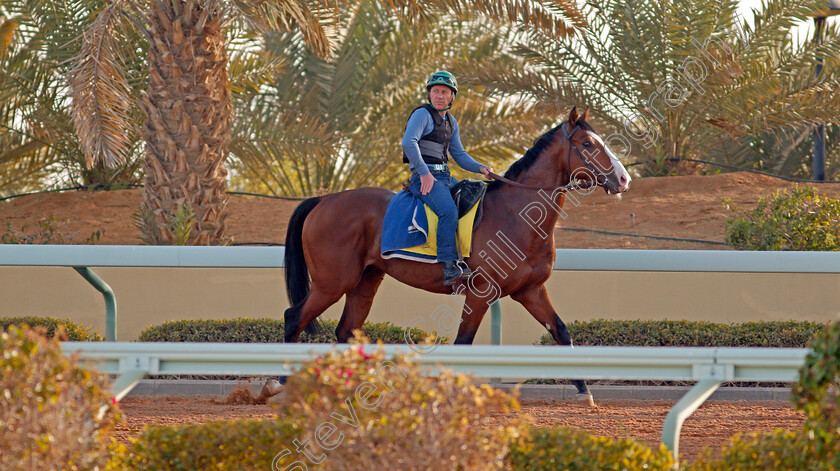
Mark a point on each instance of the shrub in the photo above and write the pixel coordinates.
(802, 219)
(223, 445)
(264, 331)
(70, 330)
(817, 393)
(47, 233)
(795, 334)
(779, 449)
(54, 414)
(570, 449)
(391, 415)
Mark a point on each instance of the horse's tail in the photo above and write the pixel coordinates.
(297, 274)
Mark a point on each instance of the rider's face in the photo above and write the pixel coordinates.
(440, 96)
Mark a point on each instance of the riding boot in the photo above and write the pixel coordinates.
(451, 272)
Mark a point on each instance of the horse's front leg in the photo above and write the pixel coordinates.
(474, 309)
(535, 299)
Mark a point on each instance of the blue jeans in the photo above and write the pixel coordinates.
(441, 203)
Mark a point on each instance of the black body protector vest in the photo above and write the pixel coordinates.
(434, 147)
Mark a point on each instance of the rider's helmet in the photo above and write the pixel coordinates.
(443, 77)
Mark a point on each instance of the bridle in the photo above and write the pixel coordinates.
(600, 177)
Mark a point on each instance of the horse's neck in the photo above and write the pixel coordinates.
(549, 170)
(538, 209)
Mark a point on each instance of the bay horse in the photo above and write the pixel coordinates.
(335, 240)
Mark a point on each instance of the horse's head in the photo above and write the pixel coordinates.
(588, 158)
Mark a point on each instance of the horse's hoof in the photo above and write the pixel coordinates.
(271, 387)
(585, 399)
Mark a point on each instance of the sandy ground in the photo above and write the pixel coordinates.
(710, 426)
(681, 207)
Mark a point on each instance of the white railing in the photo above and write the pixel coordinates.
(709, 366)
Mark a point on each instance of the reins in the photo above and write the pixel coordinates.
(563, 188)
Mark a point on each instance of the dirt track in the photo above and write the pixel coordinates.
(710, 426)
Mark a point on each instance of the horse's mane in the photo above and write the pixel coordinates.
(531, 155)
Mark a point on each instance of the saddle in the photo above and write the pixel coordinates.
(466, 193)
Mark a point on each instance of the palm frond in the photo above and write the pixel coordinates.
(557, 19)
(332, 124)
(249, 70)
(311, 18)
(101, 97)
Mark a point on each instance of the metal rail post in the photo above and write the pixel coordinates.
(110, 301)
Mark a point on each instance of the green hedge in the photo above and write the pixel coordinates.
(244, 444)
(565, 448)
(264, 331)
(74, 332)
(795, 334)
(780, 449)
(249, 444)
(253, 444)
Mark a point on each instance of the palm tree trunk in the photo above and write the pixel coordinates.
(188, 125)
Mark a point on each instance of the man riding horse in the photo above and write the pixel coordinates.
(333, 241)
(431, 133)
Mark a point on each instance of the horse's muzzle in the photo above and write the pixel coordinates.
(616, 185)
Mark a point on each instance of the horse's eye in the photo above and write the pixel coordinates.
(587, 144)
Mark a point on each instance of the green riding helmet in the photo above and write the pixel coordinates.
(443, 77)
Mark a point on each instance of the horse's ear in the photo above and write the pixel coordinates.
(573, 116)
(585, 116)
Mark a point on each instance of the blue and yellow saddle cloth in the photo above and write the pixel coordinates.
(409, 229)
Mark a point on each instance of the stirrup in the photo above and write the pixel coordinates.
(465, 269)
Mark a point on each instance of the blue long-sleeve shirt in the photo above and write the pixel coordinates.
(421, 123)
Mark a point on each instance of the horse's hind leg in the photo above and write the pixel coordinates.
(358, 303)
(535, 299)
(299, 316)
(296, 319)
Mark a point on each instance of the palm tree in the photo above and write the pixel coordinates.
(332, 124)
(674, 80)
(38, 144)
(188, 106)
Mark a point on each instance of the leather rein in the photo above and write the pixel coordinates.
(600, 178)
